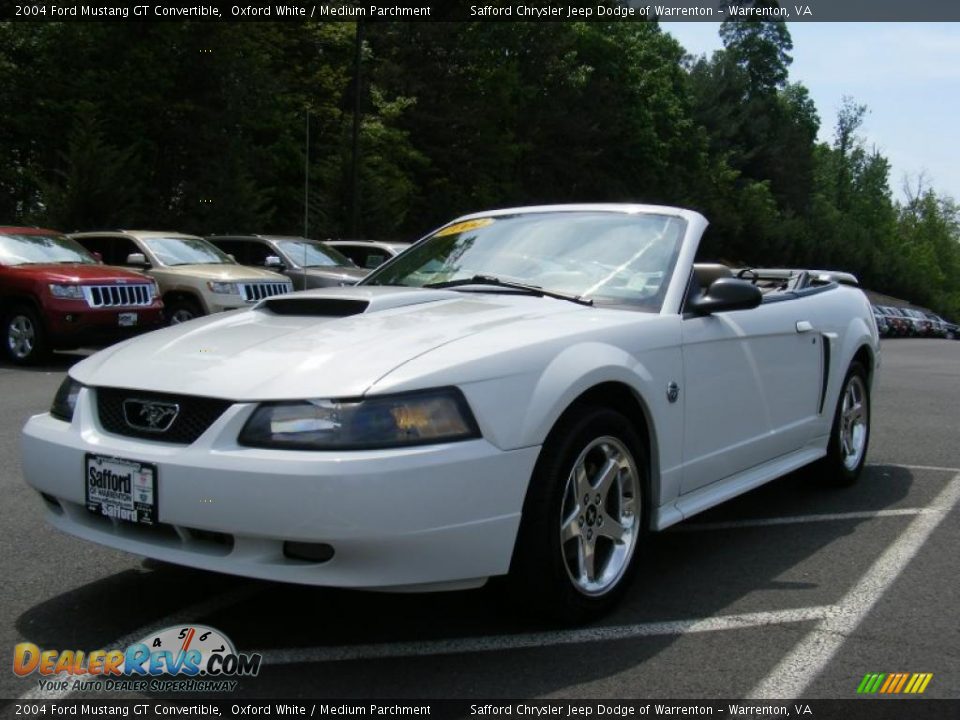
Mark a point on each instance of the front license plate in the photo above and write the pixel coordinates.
(127, 319)
(122, 489)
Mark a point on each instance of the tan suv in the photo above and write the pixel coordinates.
(195, 278)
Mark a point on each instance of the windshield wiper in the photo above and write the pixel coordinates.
(494, 281)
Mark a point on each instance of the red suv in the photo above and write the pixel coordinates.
(55, 294)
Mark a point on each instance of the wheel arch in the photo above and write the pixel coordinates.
(865, 356)
(181, 294)
(625, 399)
(178, 294)
(13, 300)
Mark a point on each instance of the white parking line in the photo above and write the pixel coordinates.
(931, 468)
(794, 519)
(493, 643)
(790, 678)
(876, 580)
(185, 615)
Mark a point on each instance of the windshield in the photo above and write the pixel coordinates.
(37, 249)
(186, 251)
(614, 257)
(311, 253)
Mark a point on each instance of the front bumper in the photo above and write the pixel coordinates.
(72, 324)
(428, 517)
(225, 303)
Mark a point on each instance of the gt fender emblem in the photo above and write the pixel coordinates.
(673, 391)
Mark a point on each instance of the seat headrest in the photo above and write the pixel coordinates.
(706, 273)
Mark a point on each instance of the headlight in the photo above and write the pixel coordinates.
(224, 288)
(416, 418)
(65, 401)
(73, 292)
(154, 290)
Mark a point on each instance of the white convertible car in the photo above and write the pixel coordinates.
(525, 392)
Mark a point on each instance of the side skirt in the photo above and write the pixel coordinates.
(723, 490)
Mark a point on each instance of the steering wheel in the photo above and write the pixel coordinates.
(751, 271)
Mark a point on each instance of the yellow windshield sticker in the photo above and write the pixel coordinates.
(462, 227)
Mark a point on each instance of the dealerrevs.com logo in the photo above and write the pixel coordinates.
(193, 658)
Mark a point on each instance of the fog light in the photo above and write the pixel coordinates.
(69, 318)
(308, 552)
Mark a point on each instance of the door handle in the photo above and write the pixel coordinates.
(803, 326)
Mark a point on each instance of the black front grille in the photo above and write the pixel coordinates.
(195, 414)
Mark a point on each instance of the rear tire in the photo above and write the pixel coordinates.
(24, 337)
(584, 518)
(850, 436)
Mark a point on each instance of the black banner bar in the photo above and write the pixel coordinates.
(872, 708)
(467, 10)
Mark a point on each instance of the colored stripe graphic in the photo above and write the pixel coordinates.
(903, 680)
(894, 683)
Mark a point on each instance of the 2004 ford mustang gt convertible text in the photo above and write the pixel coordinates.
(524, 392)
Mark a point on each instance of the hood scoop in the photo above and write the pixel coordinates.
(346, 301)
(314, 307)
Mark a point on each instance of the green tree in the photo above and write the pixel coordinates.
(99, 183)
(761, 48)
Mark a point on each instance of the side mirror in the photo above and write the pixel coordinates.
(97, 256)
(230, 255)
(725, 294)
(138, 259)
(272, 261)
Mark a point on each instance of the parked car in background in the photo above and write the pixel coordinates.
(195, 278)
(56, 295)
(526, 392)
(948, 328)
(941, 328)
(883, 325)
(308, 263)
(922, 326)
(368, 254)
(900, 325)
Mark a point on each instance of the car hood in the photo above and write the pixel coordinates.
(78, 272)
(296, 345)
(222, 272)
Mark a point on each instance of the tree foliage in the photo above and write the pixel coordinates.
(202, 127)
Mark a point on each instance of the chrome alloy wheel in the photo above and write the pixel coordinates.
(853, 422)
(21, 336)
(600, 516)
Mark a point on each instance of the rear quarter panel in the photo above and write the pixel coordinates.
(845, 318)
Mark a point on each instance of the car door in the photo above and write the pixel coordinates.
(753, 381)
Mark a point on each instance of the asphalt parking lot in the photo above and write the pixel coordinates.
(794, 590)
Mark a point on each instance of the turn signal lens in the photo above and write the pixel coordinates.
(65, 401)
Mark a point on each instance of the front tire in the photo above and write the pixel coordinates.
(24, 337)
(182, 310)
(584, 518)
(850, 436)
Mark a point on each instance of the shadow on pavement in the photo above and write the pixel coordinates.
(687, 574)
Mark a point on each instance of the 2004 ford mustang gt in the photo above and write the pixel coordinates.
(524, 392)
